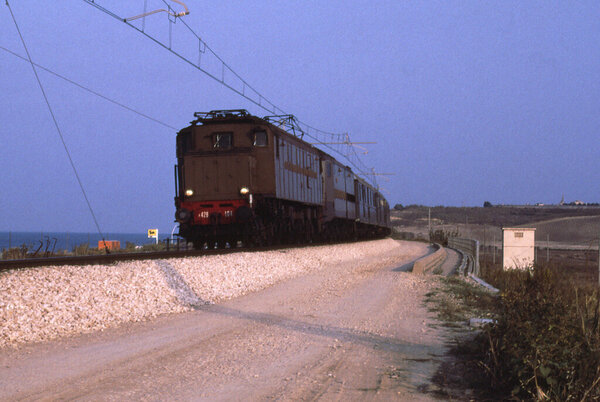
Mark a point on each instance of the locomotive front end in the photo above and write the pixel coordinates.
(222, 158)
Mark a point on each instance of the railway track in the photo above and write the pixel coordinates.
(6, 265)
(100, 259)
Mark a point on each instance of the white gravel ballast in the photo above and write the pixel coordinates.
(45, 303)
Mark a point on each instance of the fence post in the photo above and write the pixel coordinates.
(494, 257)
(486, 249)
(476, 268)
(429, 224)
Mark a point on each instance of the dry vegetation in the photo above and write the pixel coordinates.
(545, 344)
(415, 215)
(575, 228)
(24, 251)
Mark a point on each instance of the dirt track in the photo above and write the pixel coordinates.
(353, 331)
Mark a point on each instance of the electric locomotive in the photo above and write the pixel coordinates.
(241, 177)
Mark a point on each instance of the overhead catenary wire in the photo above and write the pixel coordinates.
(246, 89)
(258, 103)
(344, 137)
(275, 109)
(57, 127)
(98, 94)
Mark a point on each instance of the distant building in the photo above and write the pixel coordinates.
(577, 202)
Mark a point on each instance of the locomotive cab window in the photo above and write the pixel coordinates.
(260, 139)
(223, 140)
(185, 142)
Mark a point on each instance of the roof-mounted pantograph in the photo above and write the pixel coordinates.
(172, 13)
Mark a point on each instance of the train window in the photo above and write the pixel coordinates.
(223, 140)
(260, 139)
(185, 142)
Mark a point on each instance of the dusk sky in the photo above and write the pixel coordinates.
(468, 101)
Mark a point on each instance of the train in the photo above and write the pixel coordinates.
(243, 178)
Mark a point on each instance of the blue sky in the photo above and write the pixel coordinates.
(468, 101)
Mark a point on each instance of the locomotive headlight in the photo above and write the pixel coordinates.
(189, 192)
(244, 190)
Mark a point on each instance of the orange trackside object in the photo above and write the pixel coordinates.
(110, 244)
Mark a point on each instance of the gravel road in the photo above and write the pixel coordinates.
(353, 329)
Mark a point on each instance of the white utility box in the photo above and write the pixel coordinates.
(518, 248)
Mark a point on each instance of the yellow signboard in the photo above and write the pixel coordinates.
(152, 233)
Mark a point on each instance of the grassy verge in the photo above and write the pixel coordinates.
(545, 344)
(457, 300)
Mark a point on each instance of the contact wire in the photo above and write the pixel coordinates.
(58, 128)
(98, 94)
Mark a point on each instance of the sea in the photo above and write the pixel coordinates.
(66, 240)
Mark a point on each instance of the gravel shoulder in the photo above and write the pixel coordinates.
(353, 326)
(41, 304)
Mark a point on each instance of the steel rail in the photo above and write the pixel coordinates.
(7, 265)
